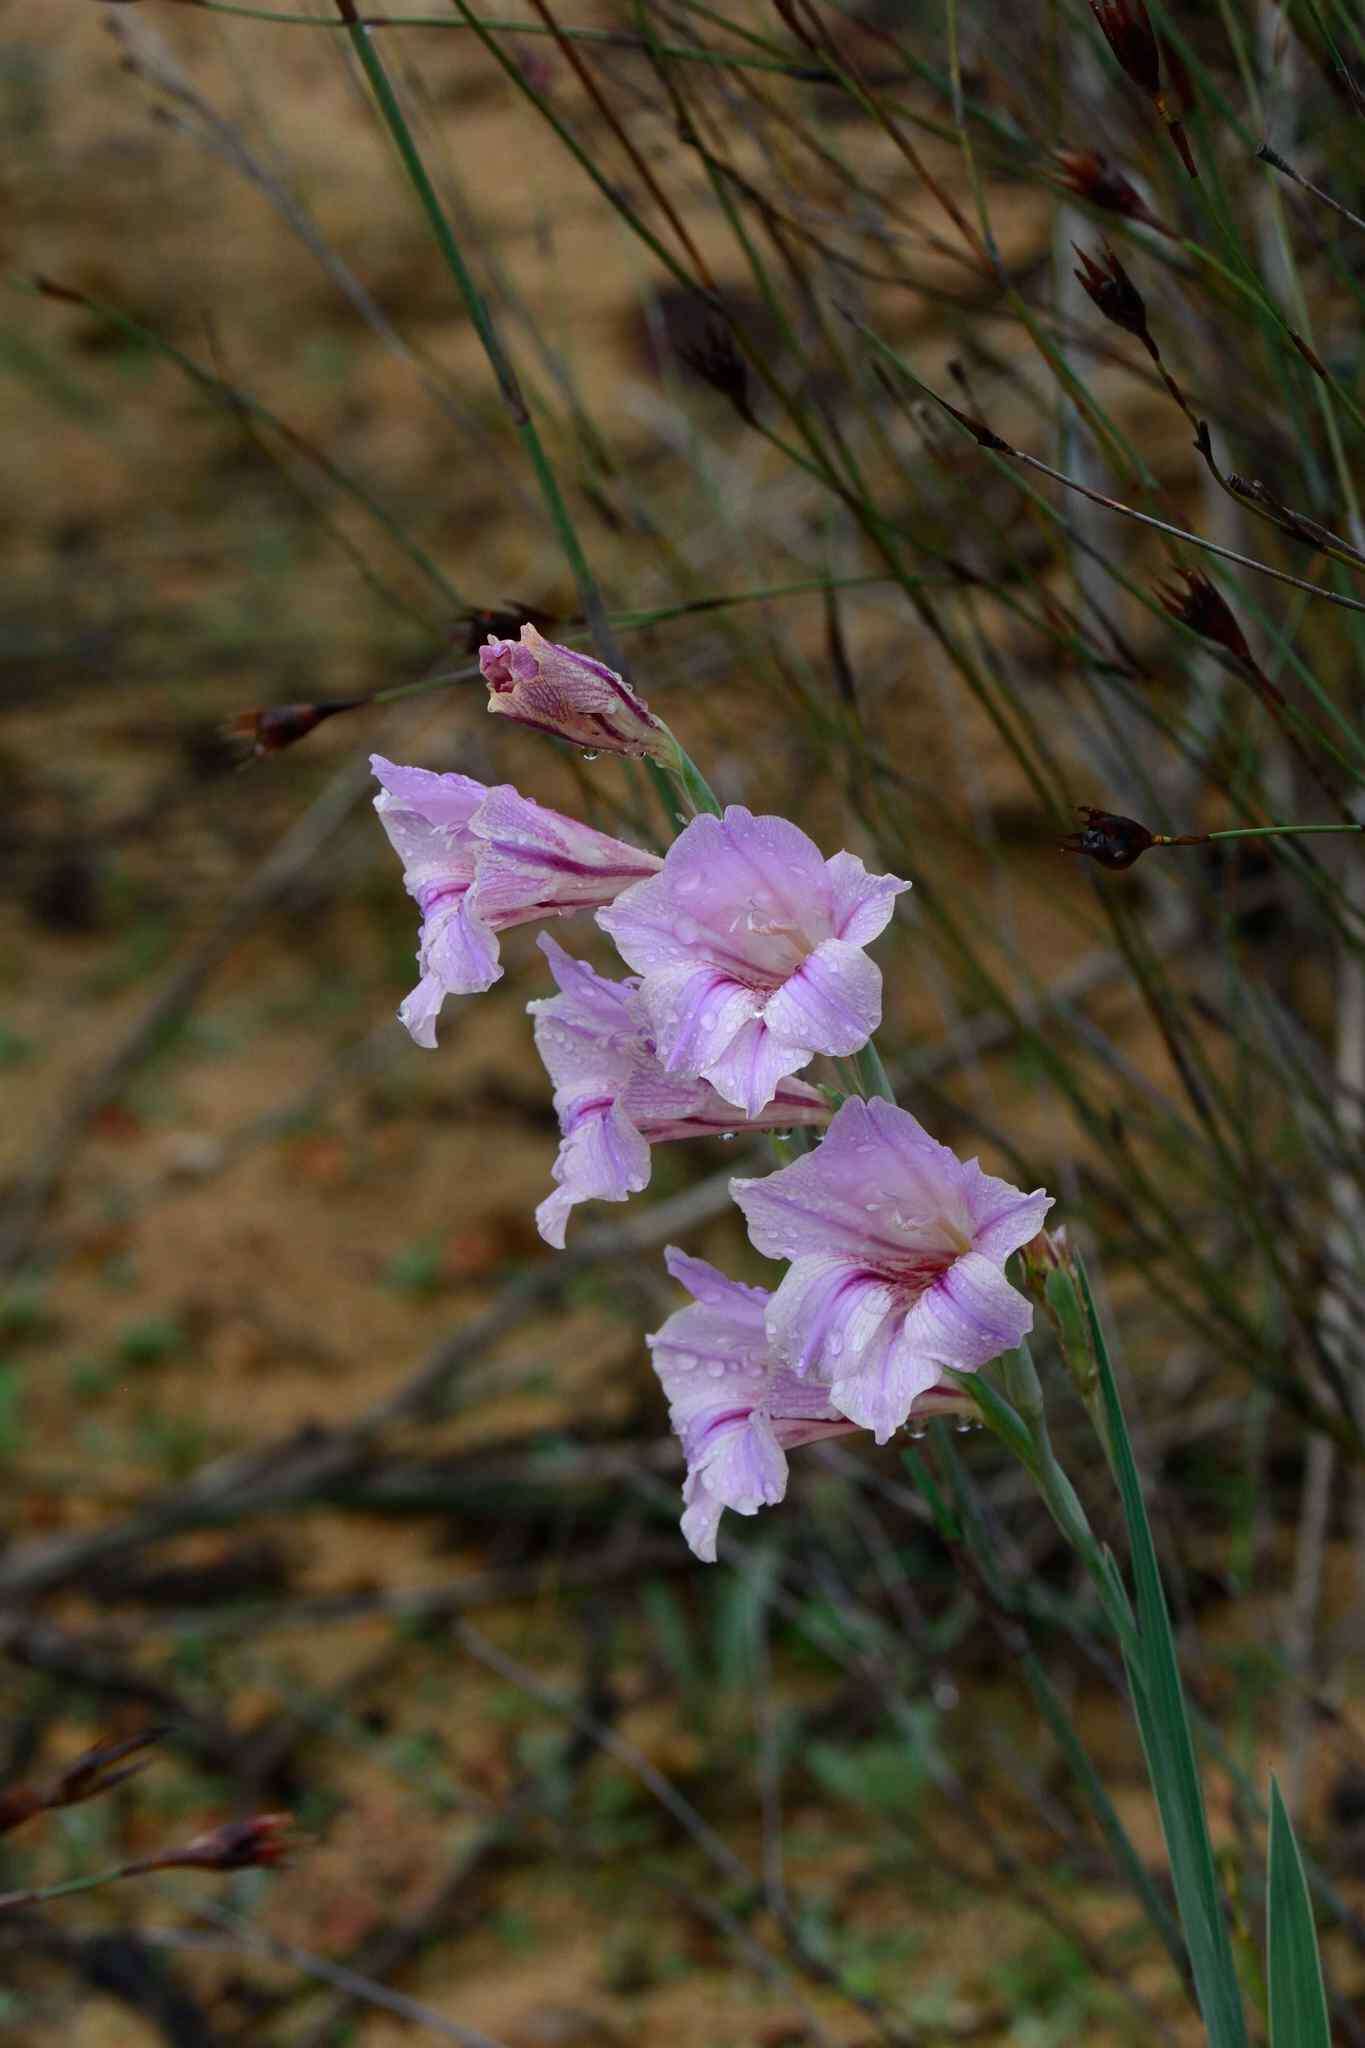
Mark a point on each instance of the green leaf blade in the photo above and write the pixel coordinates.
(1298, 2002)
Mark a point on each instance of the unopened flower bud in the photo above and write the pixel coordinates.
(1128, 30)
(277, 726)
(1112, 841)
(557, 690)
(1200, 607)
(1090, 176)
(260, 1842)
(1108, 286)
(87, 1776)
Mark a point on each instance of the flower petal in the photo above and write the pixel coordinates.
(826, 1310)
(831, 1004)
(753, 1065)
(1002, 1217)
(860, 904)
(602, 1158)
(748, 895)
(420, 808)
(969, 1315)
(878, 1187)
(458, 957)
(534, 862)
(705, 1282)
(693, 1013)
(882, 1385)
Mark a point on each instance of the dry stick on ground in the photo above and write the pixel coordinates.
(295, 1467)
(398, 1944)
(718, 1853)
(296, 852)
(240, 1938)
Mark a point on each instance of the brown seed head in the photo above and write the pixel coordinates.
(275, 726)
(1113, 841)
(713, 356)
(93, 1772)
(1128, 30)
(1090, 176)
(1200, 607)
(260, 1842)
(1109, 287)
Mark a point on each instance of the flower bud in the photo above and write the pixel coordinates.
(1140, 54)
(1108, 286)
(277, 726)
(1112, 841)
(555, 689)
(1089, 175)
(94, 1772)
(1128, 30)
(1200, 607)
(260, 1842)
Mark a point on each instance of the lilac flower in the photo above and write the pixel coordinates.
(478, 860)
(737, 1409)
(612, 1097)
(750, 945)
(557, 690)
(898, 1250)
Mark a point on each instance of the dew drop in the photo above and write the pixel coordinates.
(717, 1368)
(589, 754)
(686, 932)
(727, 1137)
(689, 883)
(964, 1426)
(834, 1344)
(917, 1432)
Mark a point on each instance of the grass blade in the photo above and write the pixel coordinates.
(1163, 1721)
(1298, 2003)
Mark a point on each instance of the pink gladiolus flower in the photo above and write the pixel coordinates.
(557, 690)
(478, 860)
(750, 947)
(614, 1100)
(898, 1251)
(737, 1409)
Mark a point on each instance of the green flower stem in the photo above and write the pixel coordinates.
(1261, 832)
(870, 1075)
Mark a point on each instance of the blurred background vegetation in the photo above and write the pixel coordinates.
(312, 1453)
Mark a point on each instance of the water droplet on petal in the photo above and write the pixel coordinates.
(726, 1137)
(834, 1344)
(689, 883)
(686, 932)
(964, 1426)
(917, 1431)
(589, 754)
